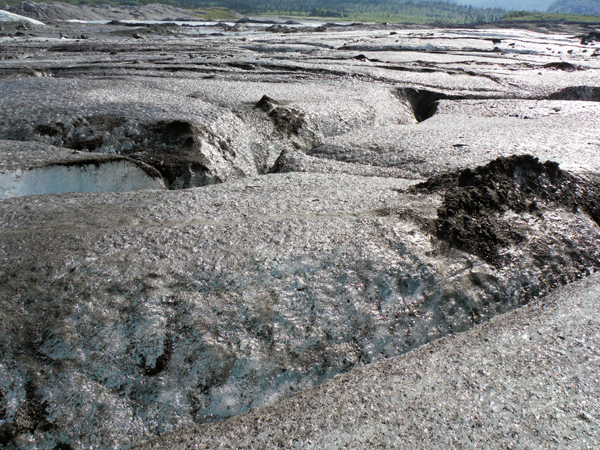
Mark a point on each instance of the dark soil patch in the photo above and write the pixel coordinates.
(474, 200)
(172, 147)
(30, 416)
(562, 65)
(287, 120)
(583, 93)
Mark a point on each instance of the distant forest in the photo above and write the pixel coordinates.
(396, 11)
(380, 10)
(589, 7)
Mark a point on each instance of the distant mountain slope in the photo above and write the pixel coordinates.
(411, 11)
(590, 7)
(67, 11)
(526, 5)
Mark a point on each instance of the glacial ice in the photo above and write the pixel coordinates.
(526, 379)
(115, 176)
(6, 16)
(124, 316)
(172, 308)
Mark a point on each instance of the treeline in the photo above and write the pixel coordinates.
(397, 11)
(588, 7)
(393, 10)
(534, 16)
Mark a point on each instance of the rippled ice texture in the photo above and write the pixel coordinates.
(158, 311)
(128, 315)
(524, 379)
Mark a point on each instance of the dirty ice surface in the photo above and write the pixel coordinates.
(298, 238)
(525, 379)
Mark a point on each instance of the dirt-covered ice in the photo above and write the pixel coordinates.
(526, 379)
(339, 198)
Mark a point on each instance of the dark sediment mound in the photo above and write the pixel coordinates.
(249, 20)
(584, 93)
(287, 120)
(176, 148)
(593, 36)
(475, 199)
(83, 134)
(562, 65)
(281, 29)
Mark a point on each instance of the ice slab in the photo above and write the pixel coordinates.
(164, 309)
(6, 16)
(127, 315)
(115, 176)
(524, 379)
(31, 168)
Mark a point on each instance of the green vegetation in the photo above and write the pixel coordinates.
(424, 11)
(529, 16)
(397, 11)
(587, 7)
(511, 5)
(216, 13)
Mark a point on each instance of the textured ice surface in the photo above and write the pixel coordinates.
(526, 379)
(179, 307)
(128, 315)
(226, 134)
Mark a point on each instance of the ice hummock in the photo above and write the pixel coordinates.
(6, 16)
(159, 310)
